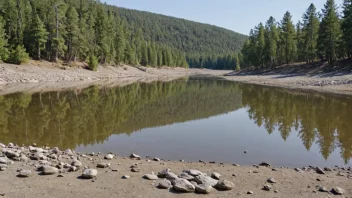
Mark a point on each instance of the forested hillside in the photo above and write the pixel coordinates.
(325, 35)
(87, 30)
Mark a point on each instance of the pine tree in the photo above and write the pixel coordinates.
(300, 55)
(310, 33)
(347, 26)
(288, 35)
(3, 42)
(120, 43)
(144, 54)
(271, 41)
(38, 35)
(72, 33)
(101, 22)
(261, 44)
(330, 31)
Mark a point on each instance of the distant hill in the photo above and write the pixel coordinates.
(188, 36)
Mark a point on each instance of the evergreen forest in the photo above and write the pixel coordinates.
(100, 34)
(324, 35)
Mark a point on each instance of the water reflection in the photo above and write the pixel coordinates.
(318, 118)
(89, 117)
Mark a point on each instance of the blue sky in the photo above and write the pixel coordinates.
(237, 15)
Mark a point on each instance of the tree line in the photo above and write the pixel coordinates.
(72, 30)
(325, 35)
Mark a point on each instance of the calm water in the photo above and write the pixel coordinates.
(190, 119)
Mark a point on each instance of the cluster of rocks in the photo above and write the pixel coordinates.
(190, 181)
(48, 161)
(324, 82)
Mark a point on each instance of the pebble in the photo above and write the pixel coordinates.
(224, 185)
(194, 172)
(203, 179)
(60, 175)
(156, 159)
(89, 173)
(319, 170)
(125, 177)
(216, 176)
(171, 176)
(264, 164)
(49, 170)
(185, 175)
(267, 187)
(298, 170)
(271, 180)
(24, 173)
(135, 156)
(338, 191)
(276, 191)
(323, 189)
(77, 163)
(151, 177)
(135, 170)
(164, 184)
(250, 192)
(164, 173)
(109, 157)
(103, 165)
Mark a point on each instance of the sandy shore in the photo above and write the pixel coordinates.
(45, 76)
(38, 76)
(109, 181)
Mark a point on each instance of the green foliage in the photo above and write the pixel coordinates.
(18, 55)
(38, 35)
(3, 42)
(330, 32)
(93, 63)
(329, 39)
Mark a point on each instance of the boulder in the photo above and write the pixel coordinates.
(163, 173)
(203, 179)
(49, 170)
(164, 184)
(109, 157)
(204, 189)
(216, 176)
(183, 185)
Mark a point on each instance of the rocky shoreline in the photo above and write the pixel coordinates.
(19, 164)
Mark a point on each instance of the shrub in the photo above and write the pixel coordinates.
(18, 55)
(238, 68)
(93, 63)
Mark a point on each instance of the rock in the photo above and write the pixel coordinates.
(276, 191)
(183, 185)
(60, 175)
(264, 164)
(49, 170)
(103, 165)
(224, 185)
(298, 170)
(3, 160)
(44, 163)
(2, 145)
(156, 159)
(186, 176)
(3, 165)
(89, 173)
(77, 163)
(109, 157)
(163, 173)
(319, 170)
(3, 168)
(136, 170)
(72, 169)
(10, 145)
(69, 152)
(236, 165)
(267, 187)
(151, 176)
(194, 172)
(203, 179)
(55, 150)
(171, 176)
(340, 174)
(255, 171)
(271, 180)
(11, 154)
(164, 184)
(323, 189)
(216, 176)
(245, 151)
(250, 192)
(135, 156)
(114, 170)
(204, 189)
(125, 177)
(338, 191)
(327, 169)
(24, 173)
(37, 156)
(39, 150)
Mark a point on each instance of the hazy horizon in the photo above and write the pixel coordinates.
(229, 14)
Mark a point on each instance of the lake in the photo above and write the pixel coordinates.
(209, 119)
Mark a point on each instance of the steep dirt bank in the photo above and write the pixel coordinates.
(61, 182)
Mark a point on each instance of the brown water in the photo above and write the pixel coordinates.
(192, 119)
